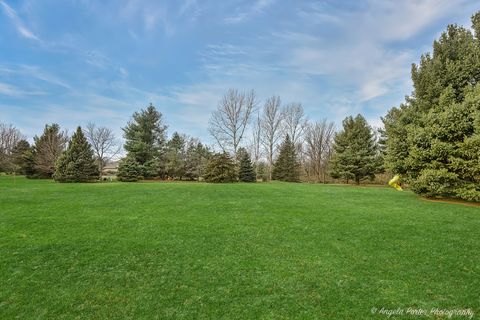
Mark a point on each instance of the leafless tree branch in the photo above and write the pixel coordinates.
(104, 143)
(271, 128)
(228, 123)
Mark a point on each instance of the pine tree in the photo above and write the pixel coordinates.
(433, 139)
(220, 169)
(29, 158)
(77, 163)
(145, 142)
(287, 167)
(129, 170)
(356, 152)
(246, 173)
(175, 156)
(19, 154)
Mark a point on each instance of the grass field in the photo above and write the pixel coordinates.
(235, 251)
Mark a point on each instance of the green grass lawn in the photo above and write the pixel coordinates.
(233, 251)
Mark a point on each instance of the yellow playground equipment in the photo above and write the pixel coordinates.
(395, 183)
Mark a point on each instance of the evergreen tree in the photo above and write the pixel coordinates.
(145, 142)
(287, 167)
(433, 139)
(356, 152)
(19, 157)
(196, 159)
(77, 163)
(175, 156)
(29, 159)
(129, 170)
(46, 151)
(246, 173)
(220, 169)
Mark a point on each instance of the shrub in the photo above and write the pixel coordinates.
(432, 182)
(469, 192)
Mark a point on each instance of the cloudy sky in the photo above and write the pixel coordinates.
(75, 61)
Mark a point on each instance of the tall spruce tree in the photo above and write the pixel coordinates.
(77, 163)
(220, 169)
(356, 152)
(145, 143)
(287, 167)
(246, 173)
(433, 139)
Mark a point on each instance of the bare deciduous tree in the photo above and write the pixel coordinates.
(255, 146)
(9, 138)
(271, 124)
(294, 121)
(227, 124)
(48, 147)
(104, 143)
(319, 148)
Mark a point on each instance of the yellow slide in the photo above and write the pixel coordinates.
(394, 183)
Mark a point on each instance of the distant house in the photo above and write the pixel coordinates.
(111, 169)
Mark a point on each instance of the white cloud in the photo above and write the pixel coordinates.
(356, 50)
(123, 72)
(38, 73)
(17, 22)
(190, 7)
(96, 59)
(30, 73)
(13, 91)
(151, 14)
(402, 20)
(247, 13)
(8, 90)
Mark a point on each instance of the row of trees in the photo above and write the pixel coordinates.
(238, 113)
(150, 155)
(314, 143)
(39, 159)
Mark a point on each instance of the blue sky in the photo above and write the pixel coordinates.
(75, 61)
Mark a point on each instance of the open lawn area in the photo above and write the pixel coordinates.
(231, 251)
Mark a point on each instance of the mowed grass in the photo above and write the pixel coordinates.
(230, 251)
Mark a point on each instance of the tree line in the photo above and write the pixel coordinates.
(432, 139)
(283, 145)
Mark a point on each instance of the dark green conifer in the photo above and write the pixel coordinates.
(287, 167)
(77, 163)
(246, 173)
(357, 155)
(129, 170)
